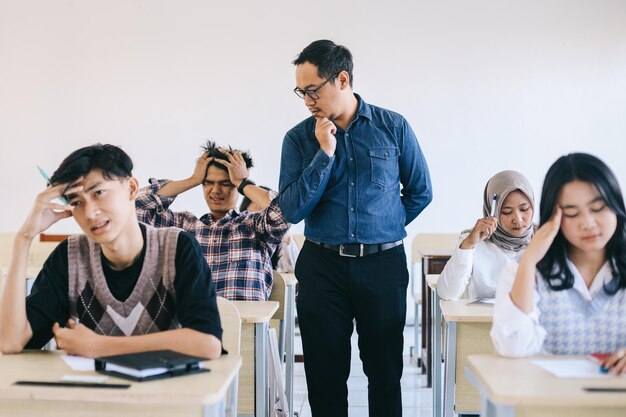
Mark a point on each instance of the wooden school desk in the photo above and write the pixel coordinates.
(467, 333)
(517, 387)
(202, 395)
(254, 375)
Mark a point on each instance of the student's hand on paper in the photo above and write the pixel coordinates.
(199, 172)
(236, 165)
(482, 230)
(325, 131)
(77, 339)
(543, 238)
(616, 363)
(45, 212)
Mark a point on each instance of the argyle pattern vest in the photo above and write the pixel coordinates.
(576, 326)
(151, 305)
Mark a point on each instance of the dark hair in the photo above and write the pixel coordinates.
(245, 203)
(211, 148)
(328, 57)
(587, 168)
(111, 160)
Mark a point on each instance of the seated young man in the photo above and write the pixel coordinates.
(237, 246)
(122, 287)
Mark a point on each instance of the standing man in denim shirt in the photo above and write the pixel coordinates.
(355, 173)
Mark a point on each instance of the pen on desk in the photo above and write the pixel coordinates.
(45, 176)
(605, 389)
(493, 205)
(72, 384)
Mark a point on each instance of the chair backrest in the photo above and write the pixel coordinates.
(46, 237)
(6, 247)
(39, 250)
(231, 325)
(299, 240)
(432, 241)
(279, 293)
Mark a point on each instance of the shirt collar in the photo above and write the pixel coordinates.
(603, 276)
(364, 109)
(207, 219)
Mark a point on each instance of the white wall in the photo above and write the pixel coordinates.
(486, 84)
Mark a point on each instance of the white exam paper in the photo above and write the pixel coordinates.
(79, 363)
(571, 368)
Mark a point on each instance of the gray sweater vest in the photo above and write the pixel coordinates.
(151, 306)
(576, 326)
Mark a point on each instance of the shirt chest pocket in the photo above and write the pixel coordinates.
(384, 164)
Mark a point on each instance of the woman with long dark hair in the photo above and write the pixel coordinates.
(568, 295)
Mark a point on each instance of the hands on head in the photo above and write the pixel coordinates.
(45, 212)
(236, 165)
(199, 172)
(543, 237)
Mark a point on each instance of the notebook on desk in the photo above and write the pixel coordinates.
(145, 366)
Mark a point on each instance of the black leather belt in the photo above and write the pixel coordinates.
(356, 250)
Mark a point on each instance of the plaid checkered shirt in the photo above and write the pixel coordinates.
(237, 247)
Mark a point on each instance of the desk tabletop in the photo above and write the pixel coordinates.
(431, 280)
(198, 389)
(256, 311)
(443, 253)
(519, 382)
(462, 310)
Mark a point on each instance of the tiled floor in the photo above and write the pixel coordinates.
(416, 401)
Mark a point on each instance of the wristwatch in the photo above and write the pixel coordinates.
(243, 184)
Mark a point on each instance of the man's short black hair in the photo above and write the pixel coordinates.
(111, 160)
(211, 148)
(328, 57)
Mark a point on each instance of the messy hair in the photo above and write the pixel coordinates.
(211, 148)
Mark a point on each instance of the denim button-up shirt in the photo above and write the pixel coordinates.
(375, 184)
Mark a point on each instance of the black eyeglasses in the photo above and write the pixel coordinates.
(313, 93)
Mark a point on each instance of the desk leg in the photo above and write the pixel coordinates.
(261, 391)
(290, 329)
(231, 405)
(449, 380)
(487, 407)
(436, 353)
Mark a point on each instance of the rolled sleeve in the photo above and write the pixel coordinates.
(153, 209)
(271, 225)
(515, 333)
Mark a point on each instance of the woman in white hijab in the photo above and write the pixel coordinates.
(501, 235)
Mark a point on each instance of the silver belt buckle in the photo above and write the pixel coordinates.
(342, 253)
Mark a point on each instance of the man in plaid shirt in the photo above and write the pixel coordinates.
(237, 246)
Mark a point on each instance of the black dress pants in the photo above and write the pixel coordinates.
(335, 290)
